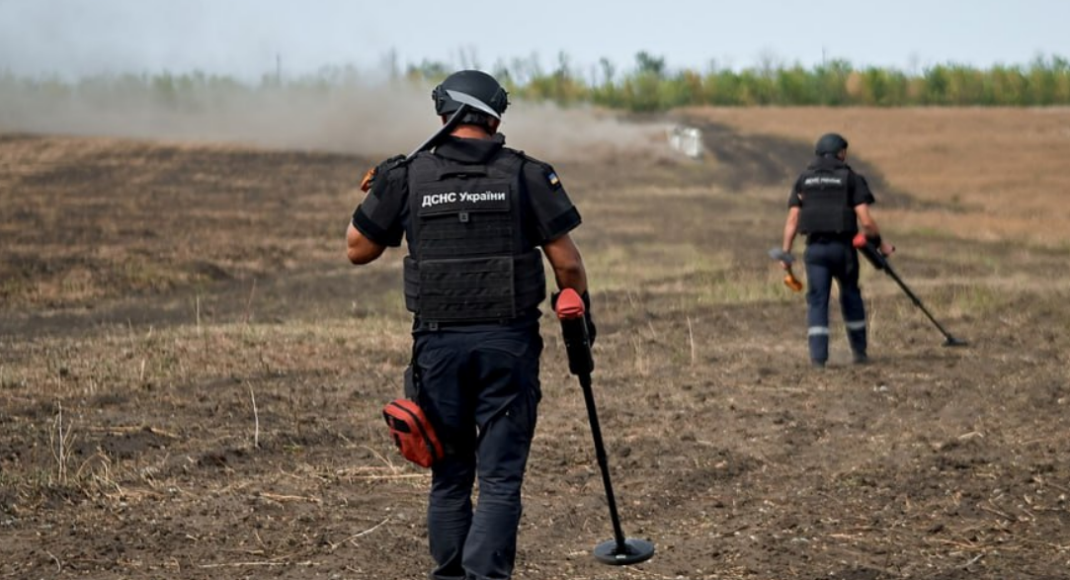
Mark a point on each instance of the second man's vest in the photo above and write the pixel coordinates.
(825, 197)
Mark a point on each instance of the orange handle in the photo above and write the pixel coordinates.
(569, 305)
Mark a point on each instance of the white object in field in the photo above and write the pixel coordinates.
(686, 140)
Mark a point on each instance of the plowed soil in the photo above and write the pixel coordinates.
(191, 373)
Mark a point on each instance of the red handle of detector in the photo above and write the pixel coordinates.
(569, 305)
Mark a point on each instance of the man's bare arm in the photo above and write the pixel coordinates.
(791, 227)
(869, 226)
(565, 258)
(360, 249)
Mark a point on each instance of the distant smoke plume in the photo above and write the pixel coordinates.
(368, 117)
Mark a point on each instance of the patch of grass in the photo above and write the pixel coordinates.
(26, 482)
(746, 286)
(14, 289)
(140, 274)
(123, 361)
(927, 232)
(79, 284)
(621, 267)
(978, 300)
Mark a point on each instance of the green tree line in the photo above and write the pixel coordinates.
(651, 86)
(648, 85)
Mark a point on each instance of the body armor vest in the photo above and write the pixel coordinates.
(825, 194)
(468, 259)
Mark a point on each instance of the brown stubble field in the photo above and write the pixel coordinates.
(1005, 168)
(190, 373)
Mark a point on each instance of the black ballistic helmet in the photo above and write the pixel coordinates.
(830, 144)
(472, 82)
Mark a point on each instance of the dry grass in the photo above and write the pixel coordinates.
(1003, 171)
(88, 220)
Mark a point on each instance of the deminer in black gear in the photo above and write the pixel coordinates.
(827, 204)
(478, 218)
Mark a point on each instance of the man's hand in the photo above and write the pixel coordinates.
(887, 249)
(783, 256)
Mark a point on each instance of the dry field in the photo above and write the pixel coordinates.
(191, 373)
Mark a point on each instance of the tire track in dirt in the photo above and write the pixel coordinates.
(749, 161)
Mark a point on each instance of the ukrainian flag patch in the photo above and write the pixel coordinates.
(553, 179)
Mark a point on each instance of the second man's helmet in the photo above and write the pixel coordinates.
(472, 82)
(830, 144)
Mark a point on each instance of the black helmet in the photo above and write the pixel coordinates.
(472, 82)
(830, 144)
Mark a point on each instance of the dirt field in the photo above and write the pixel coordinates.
(191, 373)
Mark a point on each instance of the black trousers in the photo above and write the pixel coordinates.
(480, 385)
(829, 260)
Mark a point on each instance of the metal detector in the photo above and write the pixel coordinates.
(880, 262)
(619, 551)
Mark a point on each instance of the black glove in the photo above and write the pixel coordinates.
(592, 331)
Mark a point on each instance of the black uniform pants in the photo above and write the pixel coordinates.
(829, 260)
(480, 385)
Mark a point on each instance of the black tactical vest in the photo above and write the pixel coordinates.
(468, 260)
(825, 197)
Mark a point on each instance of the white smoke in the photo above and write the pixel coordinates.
(360, 116)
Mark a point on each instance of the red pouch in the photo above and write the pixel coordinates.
(412, 432)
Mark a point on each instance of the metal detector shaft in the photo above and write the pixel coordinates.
(603, 462)
(917, 302)
(620, 551)
(581, 364)
(880, 262)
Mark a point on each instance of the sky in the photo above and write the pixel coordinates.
(248, 38)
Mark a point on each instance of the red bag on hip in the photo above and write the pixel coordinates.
(412, 432)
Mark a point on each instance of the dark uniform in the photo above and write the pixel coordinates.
(826, 195)
(474, 214)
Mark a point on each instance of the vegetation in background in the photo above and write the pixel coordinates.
(649, 85)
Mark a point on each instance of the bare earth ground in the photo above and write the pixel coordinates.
(191, 375)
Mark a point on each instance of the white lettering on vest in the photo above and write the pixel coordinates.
(823, 181)
(439, 198)
(434, 199)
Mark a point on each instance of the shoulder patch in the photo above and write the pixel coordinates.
(366, 181)
(547, 170)
(395, 162)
